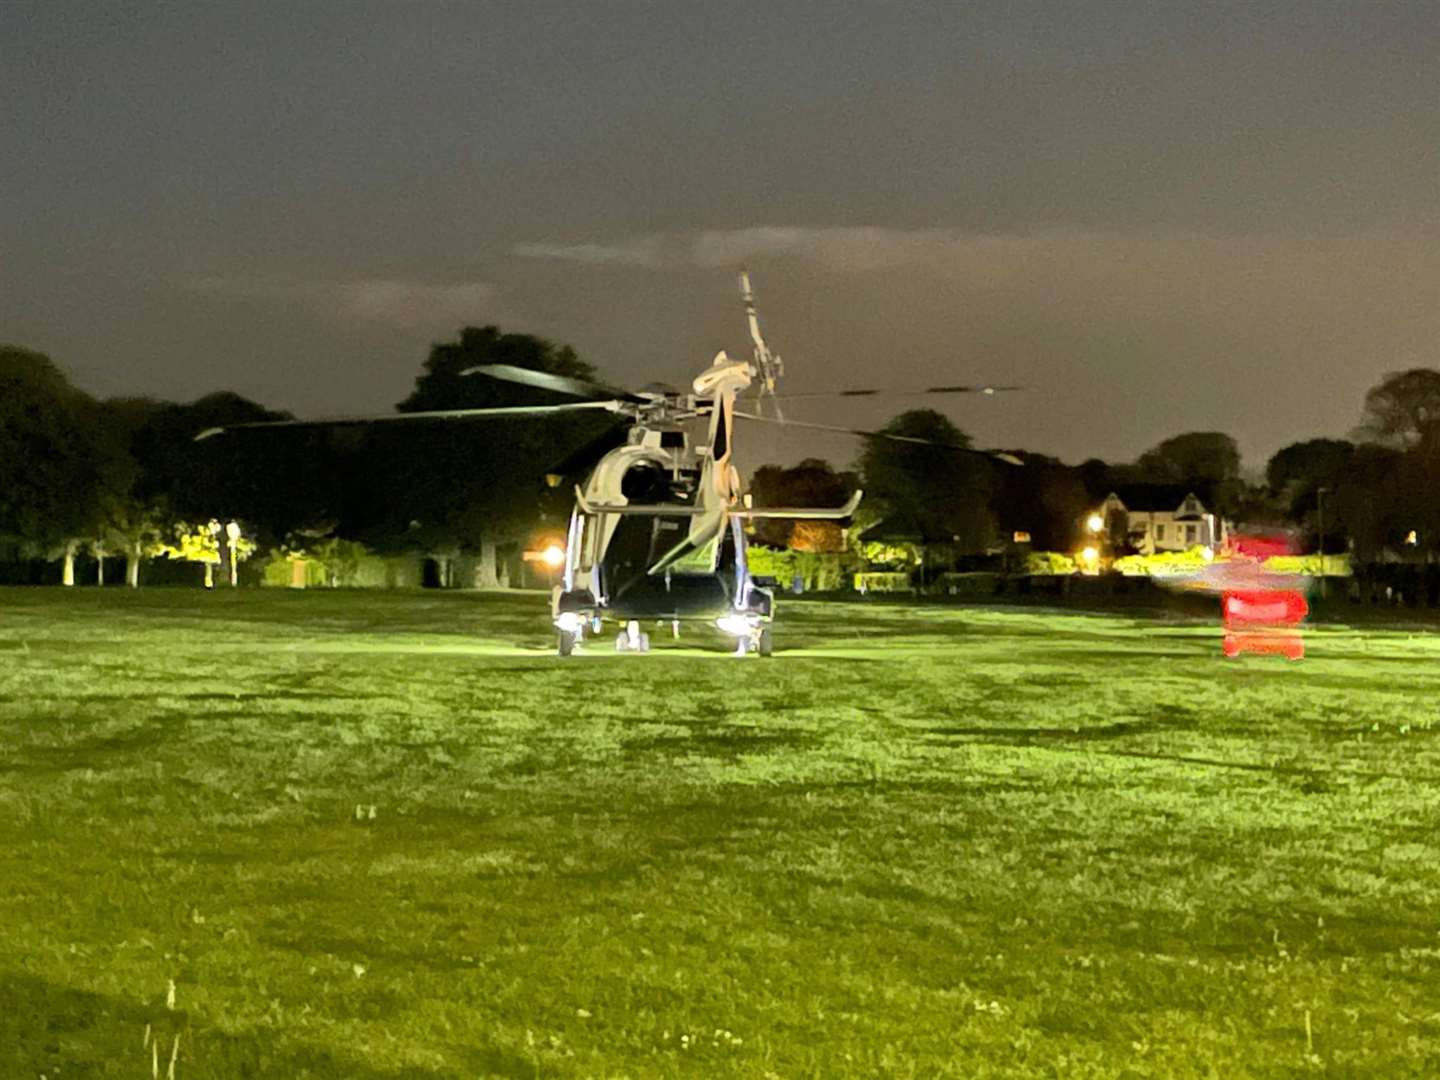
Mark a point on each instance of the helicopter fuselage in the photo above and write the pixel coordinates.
(658, 529)
(655, 533)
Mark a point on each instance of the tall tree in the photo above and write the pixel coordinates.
(55, 466)
(943, 494)
(1297, 473)
(442, 384)
(813, 482)
(250, 475)
(1370, 504)
(1047, 499)
(472, 485)
(1208, 461)
(1402, 409)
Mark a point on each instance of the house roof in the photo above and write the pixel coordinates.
(1155, 497)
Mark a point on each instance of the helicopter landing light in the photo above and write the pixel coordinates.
(737, 624)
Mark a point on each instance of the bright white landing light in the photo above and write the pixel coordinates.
(736, 624)
(568, 621)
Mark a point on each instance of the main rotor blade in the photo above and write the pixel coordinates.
(988, 391)
(432, 414)
(994, 455)
(557, 384)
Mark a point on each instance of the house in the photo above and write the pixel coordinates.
(1158, 517)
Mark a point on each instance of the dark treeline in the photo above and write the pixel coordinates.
(124, 479)
(1373, 496)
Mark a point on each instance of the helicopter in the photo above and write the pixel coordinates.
(657, 532)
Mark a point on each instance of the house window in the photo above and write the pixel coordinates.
(1159, 532)
(1189, 534)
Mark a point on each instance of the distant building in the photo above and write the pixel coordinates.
(1161, 517)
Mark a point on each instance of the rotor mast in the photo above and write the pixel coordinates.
(765, 366)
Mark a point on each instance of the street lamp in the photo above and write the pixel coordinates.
(1320, 528)
(1095, 523)
(232, 533)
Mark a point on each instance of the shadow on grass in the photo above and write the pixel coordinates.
(1119, 652)
(88, 752)
(54, 1030)
(732, 742)
(1311, 780)
(1118, 730)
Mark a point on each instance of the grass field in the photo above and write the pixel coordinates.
(389, 835)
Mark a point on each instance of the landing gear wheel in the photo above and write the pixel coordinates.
(764, 643)
(568, 641)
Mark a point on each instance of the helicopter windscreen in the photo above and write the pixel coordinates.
(639, 541)
(701, 581)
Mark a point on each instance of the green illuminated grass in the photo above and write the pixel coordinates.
(919, 842)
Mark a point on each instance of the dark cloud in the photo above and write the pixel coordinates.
(1159, 217)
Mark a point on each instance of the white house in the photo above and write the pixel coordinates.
(1158, 518)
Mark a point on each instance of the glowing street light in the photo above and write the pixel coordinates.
(553, 555)
(232, 534)
(1090, 556)
(1095, 523)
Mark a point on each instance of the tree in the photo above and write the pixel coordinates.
(135, 530)
(442, 383)
(1208, 461)
(274, 481)
(813, 482)
(204, 543)
(470, 485)
(1370, 505)
(1045, 498)
(942, 495)
(1305, 465)
(1297, 472)
(1099, 478)
(55, 466)
(1402, 409)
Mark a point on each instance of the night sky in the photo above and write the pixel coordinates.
(1159, 217)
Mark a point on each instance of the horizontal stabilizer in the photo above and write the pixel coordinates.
(802, 514)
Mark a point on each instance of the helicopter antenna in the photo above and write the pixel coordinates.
(766, 366)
